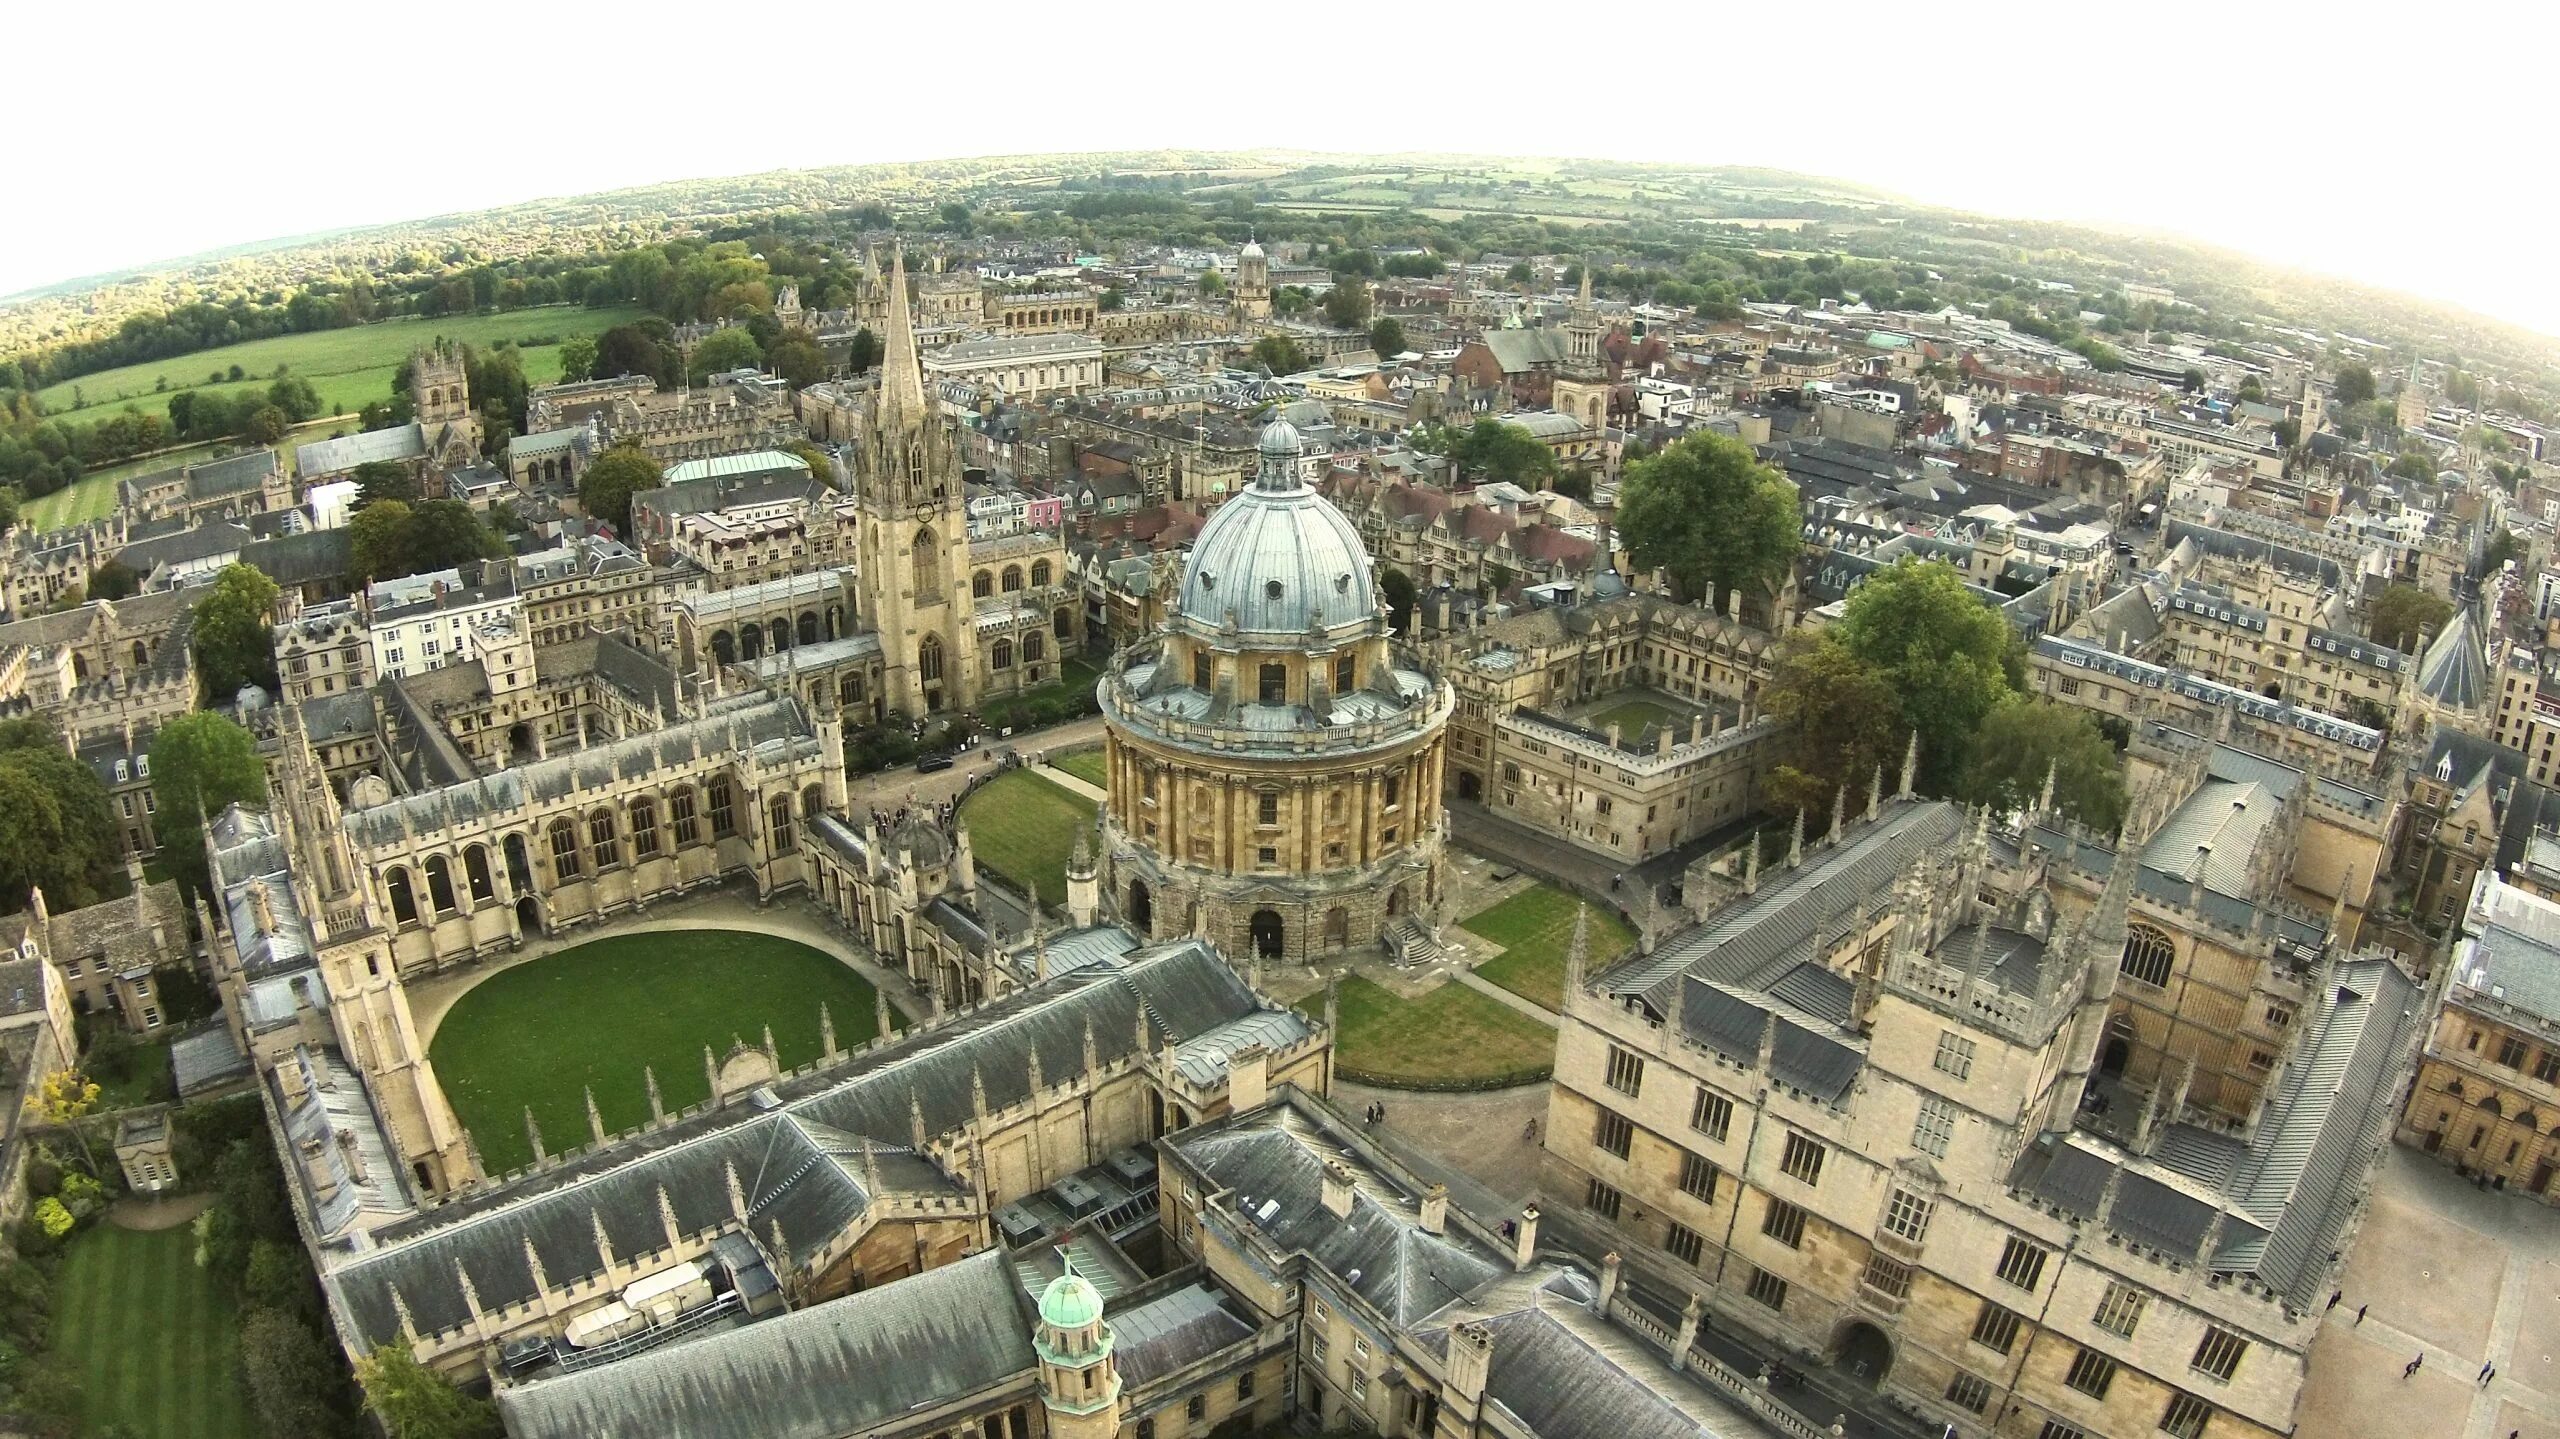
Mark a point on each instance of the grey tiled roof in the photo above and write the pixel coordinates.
(2453, 671)
(1163, 1334)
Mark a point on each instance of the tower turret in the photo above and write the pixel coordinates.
(1079, 1379)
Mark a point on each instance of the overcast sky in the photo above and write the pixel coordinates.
(2404, 146)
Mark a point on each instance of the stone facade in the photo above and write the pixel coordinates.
(2487, 1097)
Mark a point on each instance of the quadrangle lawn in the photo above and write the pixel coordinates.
(1025, 827)
(1084, 764)
(1535, 928)
(536, 1036)
(1631, 716)
(155, 1345)
(1451, 1037)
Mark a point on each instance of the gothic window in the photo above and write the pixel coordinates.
(680, 809)
(1039, 572)
(475, 869)
(439, 885)
(1063, 622)
(981, 585)
(915, 469)
(929, 658)
(644, 828)
(1034, 647)
(1001, 655)
(925, 561)
(778, 815)
(724, 818)
(404, 904)
(2147, 955)
(600, 837)
(564, 850)
(1012, 578)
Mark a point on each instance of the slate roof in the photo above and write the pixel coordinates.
(313, 555)
(196, 542)
(832, 1369)
(2453, 672)
(2513, 956)
(331, 457)
(1162, 1335)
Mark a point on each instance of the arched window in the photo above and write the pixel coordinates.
(439, 884)
(644, 828)
(1033, 647)
(1012, 578)
(849, 692)
(1039, 572)
(925, 561)
(813, 800)
(404, 904)
(724, 816)
(809, 627)
(680, 809)
(982, 584)
(929, 658)
(1063, 622)
(564, 850)
(2491, 1107)
(475, 869)
(1001, 656)
(724, 649)
(778, 816)
(2147, 956)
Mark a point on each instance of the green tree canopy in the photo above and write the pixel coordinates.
(2403, 615)
(798, 360)
(378, 480)
(235, 633)
(1501, 453)
(56, 831)
(2354, 384)
(415, 1402)
(605, 490)
(111, 580)
(1212, 283)
(1386, 337)
(446, 534)
(200, 763)
(377, 541)
(577, 357)
(1838, 722)
(1709, 515)
(734, 348)
(1280, 355)
(2023, 740)
(1949, 658)
(1346, 305)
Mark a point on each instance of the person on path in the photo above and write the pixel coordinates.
(2412, 1366)
(2360, 1309)
(2335, 1295)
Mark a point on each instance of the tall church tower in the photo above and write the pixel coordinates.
(1079, 1380)
(1582, 381)
(912, 582)
(1253, 282)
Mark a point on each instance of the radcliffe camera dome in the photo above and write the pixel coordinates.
(1279, 558)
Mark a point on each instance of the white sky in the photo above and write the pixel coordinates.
(2403, 145)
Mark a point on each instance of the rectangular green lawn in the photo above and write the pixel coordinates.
(1084, 764)
(1025, 826)
(154, 1344)
(1631, 716)
(1535, 928)
(1452, 1036)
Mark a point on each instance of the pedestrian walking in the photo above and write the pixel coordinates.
(2360, 1309)
(2487, 1373)
(2412, 1366)
(2335, 1295)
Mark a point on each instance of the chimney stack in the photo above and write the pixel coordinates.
(1337, 1189)
(1435, 1209)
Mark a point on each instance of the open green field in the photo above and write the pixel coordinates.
(157, 1349)
(94, 494)
(1084, 764)
(349, 367)
(1025, 827)
(1535, 928)
(536, 1036)
(1451, 1038)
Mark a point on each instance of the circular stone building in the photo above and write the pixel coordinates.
(1274, 756)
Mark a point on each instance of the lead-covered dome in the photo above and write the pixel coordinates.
(1278, 558)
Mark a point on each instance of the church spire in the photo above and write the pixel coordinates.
(900, 409)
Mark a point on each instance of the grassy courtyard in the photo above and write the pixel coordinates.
(1451, 1038)
(1535, 928)
(349, 367)
(538, 1034)
(1631, 716)
(1084, 764)
(1025, 827)
(155, 1343)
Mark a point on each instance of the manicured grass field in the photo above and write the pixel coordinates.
(1631, 716)
(1026, 827)
(156, 1347)
(1451, 1037)
(1084, 764)
(94, 494)
(1535, 928)
(348, 367)
(538, 1034)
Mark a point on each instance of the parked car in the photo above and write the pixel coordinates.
(933, 762)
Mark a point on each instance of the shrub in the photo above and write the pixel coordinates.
(53, 1218)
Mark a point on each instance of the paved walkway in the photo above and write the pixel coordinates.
(1529, 1007)
(793, 918)
(1072, 784)
(2463, 1276)
(889, 788)
(1483, 1136)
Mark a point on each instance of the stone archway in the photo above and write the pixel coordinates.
(1337, 928)
(1470, 788)
(529, 914)
(1142, 908)
(2118, 1049)
(1270, 934)
(1865, 1354)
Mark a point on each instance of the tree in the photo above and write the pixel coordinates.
(1113, 298)
(863, 352)
(1212, 283)
(377, 541)
(1397, 587)
(1708, 514)
(724, 350)
(605, 490)
(1518, 274)
(632, 350)
(577, 357)
(448, 534)
(2191, 379)
(201, 763)
(378, 480)
(265, 425)
(111, 580)
(56, 830)
(1501, 453)
(415, 1402)
(63, 1099)
(1290, 300)
(2025, 739)
(2503, 547)
(290, 1376)
(1948, 657)
(822, 466)
(1346, 305)
(1280, 355)
(1837, 719)
(1386, 337)
(2354, 385)
(798, 360)
(2403, 615)
(235, 633)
